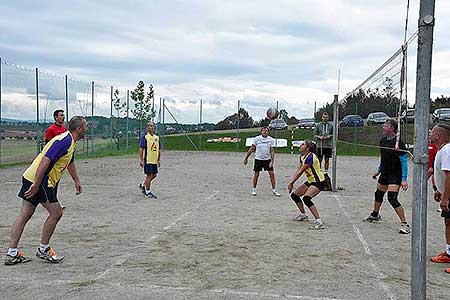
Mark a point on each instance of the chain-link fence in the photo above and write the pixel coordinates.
(28, 98)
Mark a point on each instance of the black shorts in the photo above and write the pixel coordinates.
(323, 152)
(150, 169)
(445, 214)
(385, 179)
(262, 164)
(44, 194)
(320, 185)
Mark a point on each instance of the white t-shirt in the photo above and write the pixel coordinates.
(263, 145)
(441, 164)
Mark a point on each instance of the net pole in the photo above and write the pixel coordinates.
(1, 124)
(237, 123)
(128, 114)
(334, 150)
(420, 159)
(67, 100)
(163, 123)
(111, 118)
(92, 114)
(200, 126)
(276, 130)
(38, 139)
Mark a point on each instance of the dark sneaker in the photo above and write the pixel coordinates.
(49, 255)
(372, 219)
(150, 195)
(404, 229)
(19, 258)
(142, 187)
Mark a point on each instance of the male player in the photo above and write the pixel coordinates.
(323, 135)
(149, 155)
(38, 186)
(263, 146)
(440, 136)
(393, 171)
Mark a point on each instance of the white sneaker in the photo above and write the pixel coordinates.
(276, 194)
(404, 229)
(302, 218)
(317, 226)
(439, 210)
(253, 193)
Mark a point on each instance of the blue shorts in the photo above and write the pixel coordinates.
(150, 169)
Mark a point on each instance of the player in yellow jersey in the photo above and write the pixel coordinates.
(149, 155)
(310, 166)
(38, 186)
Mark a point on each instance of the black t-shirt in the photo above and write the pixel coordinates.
(390, 161)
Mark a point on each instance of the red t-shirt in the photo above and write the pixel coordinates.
(54, 130)
(432, 151)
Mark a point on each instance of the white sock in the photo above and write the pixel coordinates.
(274, 190)
(43, 247)
(326, 170)
(319, 221)
(447, 249)
(254, 190)
(148, 191)
(12, 251)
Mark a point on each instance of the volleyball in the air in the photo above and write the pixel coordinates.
(272, 113)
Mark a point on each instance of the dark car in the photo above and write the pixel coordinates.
(407, 116)
(441, 115)
(278, 124)
(352, 121)
(377, 118)
(307, 123)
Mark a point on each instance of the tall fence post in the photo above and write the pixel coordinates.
(420, 159)
(238, 123)
(67, 100)
(335, 137)
(163, 123)
(200, 126)
(92, 113)
(128, 114)
(38, 138)
(111, 119)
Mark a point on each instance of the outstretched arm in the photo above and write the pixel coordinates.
(297, 175)
(404, 162)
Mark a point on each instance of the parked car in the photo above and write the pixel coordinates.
(278, 124)
(307, 123)
(352, 121)
(407, 116)
(376, 118)
(441, 115)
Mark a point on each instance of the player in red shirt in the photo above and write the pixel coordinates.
(56, 129)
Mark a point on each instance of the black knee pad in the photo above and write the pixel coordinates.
(392, 198)
(296, 198)
(379, 196)
(307, 201)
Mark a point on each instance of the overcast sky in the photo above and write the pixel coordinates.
(219, 51)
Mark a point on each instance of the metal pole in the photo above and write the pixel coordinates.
(1, 126)
(111, 119)
(92, 113)
(238, 123)
(200, 126)
(276, 130)
(67, 100)
(153, 108)
(38, 139)
(163, 123)
(334, 151)
(128, 114)
(159, 117)
(315, 109)
(422, 108)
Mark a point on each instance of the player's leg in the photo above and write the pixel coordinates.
(310, 193)
(273, 183)
(392, 192)
(45, 251)
(378, 200)
(296, 197)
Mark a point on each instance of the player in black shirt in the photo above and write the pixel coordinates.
(393, 171)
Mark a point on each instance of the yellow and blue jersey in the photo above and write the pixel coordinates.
(60, 151)
(150, 143)
(313, 173)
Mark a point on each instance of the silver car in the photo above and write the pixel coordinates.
(441, 115)
(377, 118)
(278, 124)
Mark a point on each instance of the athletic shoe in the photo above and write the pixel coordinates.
(317, 226)
(142, 187)
(441, 258)
(404, 229)
(62, 206)
(19, 258)
(276, 194)
(447, 270)
(302, 218)
(49, 255)
(372, 219)
(439, 210)
(254, 193)
(150, 195)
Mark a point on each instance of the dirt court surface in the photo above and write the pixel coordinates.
(206, 237)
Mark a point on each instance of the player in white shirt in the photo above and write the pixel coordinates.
(440, 136)
(263, 146)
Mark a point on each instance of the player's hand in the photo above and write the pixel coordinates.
(437, 196)
(245, 162)
(141, 163)
(375, 175)
(78, 188)
(270, 165)
(31, 191)
(290, 187)
(430, 172)
(404, 185)
(444, 204)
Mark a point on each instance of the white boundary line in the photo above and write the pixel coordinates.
(124, 258)
(379, 274)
